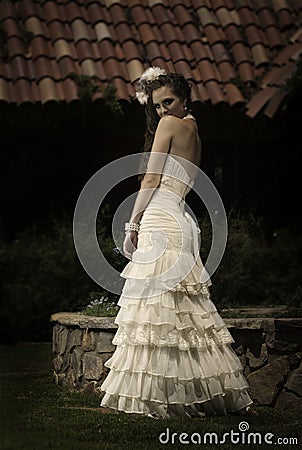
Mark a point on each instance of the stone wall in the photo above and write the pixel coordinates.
(269, 349)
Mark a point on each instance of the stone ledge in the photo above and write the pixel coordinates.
(82, 321)
(269, 349)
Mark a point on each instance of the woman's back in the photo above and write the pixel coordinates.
(186, 142)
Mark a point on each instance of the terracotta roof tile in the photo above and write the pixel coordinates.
(168, 32)
(66, 66)
(220, 53)
(224, 16)
(135, 70)
(123, 32)
(247, 17)
(291, 53)
(216, 4)
(84, 50)
(183, 68)
(208, 71)
(7, 10)
(241, 53)
(218, 44)
(274, 37)
(15, 46)
(117, 14)
(191, 33)
(96, 13)
(176, 51)
(274, 103)
(42, 68)
(258, 5)
(296, 37)
(199, 93)
(214, 34)
(57, 30)
(259, 100)
(285, 19)
(89, 68)
(19, 68)
(52, 11)
(266, 18)
(279, 5)
(161, 14)
(11, 27)
(226, 71)
(114, 69)
(48, 90)
(200, 50)
(259, 54)
(63, 48)
(233, 94)
(35, 25)
(106, 49)
(22, 90)
(283, 74)
(74, 12)
(102, 31)
(246, 72)
(182, 15)
(233, 34)
(215, 92)
(131, 50)
(254, 36)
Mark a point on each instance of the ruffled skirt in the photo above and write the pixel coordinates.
(173, 355)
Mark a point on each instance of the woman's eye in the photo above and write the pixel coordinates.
(168, 102)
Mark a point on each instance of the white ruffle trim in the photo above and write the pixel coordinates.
(172, 319)
(147, 380)
(171, 271)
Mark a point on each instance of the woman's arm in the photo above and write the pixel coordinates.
(160, 148)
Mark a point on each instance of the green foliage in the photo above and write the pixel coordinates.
(100, 305)
(255, 270)
(112, 99)
(87, 86)
(27, 38)
(41, 274)
(295, 80)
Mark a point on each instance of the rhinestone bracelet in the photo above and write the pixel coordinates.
(132, 226)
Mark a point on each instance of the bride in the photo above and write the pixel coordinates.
(173, 354)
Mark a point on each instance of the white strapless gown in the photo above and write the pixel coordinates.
(173, 354)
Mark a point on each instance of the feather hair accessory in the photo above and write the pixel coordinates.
(147, 77)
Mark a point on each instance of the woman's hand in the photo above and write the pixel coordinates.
(130, 244)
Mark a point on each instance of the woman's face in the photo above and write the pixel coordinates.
(168, 104)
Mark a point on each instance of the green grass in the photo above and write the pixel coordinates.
(37, 414)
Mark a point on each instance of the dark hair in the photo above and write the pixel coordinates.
(179, 86)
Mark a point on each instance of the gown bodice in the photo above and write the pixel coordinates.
(175, 178)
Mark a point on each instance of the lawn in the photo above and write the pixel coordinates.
(36, 414)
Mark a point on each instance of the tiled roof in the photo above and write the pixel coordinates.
(234, 51)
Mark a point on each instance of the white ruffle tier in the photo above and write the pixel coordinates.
(173, 354)
(168, 270)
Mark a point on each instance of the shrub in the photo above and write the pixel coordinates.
(40, 273)
(255, 270)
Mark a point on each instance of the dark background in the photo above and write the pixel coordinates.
(49, 152)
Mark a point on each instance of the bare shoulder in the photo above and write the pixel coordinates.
(170, 123)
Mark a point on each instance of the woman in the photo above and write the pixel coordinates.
(173, 355)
